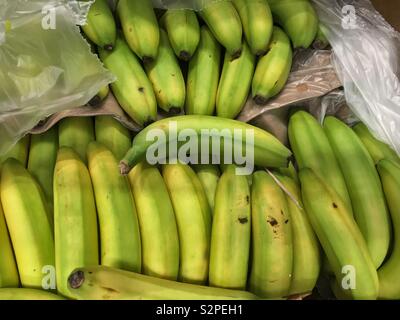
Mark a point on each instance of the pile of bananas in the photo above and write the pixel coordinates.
(174, 62)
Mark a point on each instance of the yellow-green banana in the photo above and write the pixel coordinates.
(231, 232)
(27, 294)
(272, 244)
(100, 96)
(209, 175)
(166, 76)
(290, 172)
(100, 26)
(193, 217)
(75, 220)
(140, 27)
(19, 152)
(158, 229)
(340, 237)
(272, 70)
(132, 89)
(28, 221)
(364, 187)
(203, 75)
(232, 94)
(257, 23)
(183, 31)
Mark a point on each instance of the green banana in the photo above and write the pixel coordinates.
(272, 70)
(76, 133)
(209, 175)
(27, 294)
(166, 76)
(28, 222)
(230, 237)
(140, 27)
(290, 172)
(104, 283)
(120, 245)
(203, 75)
(75, 220)
(224, 22)
(100, 27)
(298, 18)
(160, 242)
(388, 273)
(19, 152)
(257, 23)
(132, 89)
(100, 96)
(232, 94)
(183, 31)
(272, 244)
(193, 217)
(266, 149)
(339, 236)
(364, 187)
(320, 41)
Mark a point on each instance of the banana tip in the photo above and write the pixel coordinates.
(95, 101)
(124, 168)
(174, 111)
(147, 59)
(236, 54)
(260, 100)
(184, 55)
(109, 47)
(76, 279)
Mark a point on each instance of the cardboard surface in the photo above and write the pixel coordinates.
(390, 9)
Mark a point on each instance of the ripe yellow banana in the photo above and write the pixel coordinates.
(140, 27)
(100, 96)
(272, 244)
(364, 187)
(339, 236)
(272, 70)
(232, 93)
(231, 232)
(132, 89)
(158, 229)
(119, 227)
(209, 175)
(104, 283)
(193, 217)
(76, 133)
(27, 294)
(224, 22)
(203, 75)
(257, 23)
(112, 134)
(75, 220)
(28, 222)
(183, 31)
(100, 27)
(19, 152)
(166, 76)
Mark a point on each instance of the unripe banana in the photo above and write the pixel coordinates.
(166, 76)
(224, 22)
(339, 236)
(290, 172)
(193, 217)
(111, 133)
(257, 23)
(19, 152)
(183, 31)
(230, 237)
(100, 96)
(272, 70)
(75, 220)
(28, 222)
(203, 75)
(132, 89)
(232, 94)
(364, 187)
(158, 229)
(76, 133)
(100, 27)
(140, 27)
(119, 227)
(272, 245)
(209, 175)
(321, 42)
(27, 294)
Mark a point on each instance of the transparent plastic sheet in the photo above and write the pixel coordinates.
(46, 65)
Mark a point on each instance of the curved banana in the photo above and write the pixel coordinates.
(75, 220)
(28, 222)
(232, 94)
(166, 76)
(290, 172)
(27, 294)
(100, 96)
(193, 217)
(158, 229)
(209, 175)
(140, 27)
(231, 232)
(203, 76)
(19, 152)
(257, 23)
(272, 70)
(132, 89)
(339, 236)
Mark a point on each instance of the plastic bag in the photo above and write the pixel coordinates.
(46, 65)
